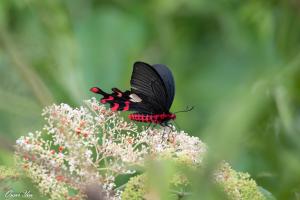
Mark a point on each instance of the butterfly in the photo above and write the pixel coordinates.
(151, 95)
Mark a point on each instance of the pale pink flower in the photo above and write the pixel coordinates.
(81, 146)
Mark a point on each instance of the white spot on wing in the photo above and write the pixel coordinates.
(134, 98)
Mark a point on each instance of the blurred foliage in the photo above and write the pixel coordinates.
(238, 62)
(235, 186)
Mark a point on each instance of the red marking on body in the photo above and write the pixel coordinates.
(104, 100)
(95, 89)
(155, 118)
(126, 106)
(115, 107)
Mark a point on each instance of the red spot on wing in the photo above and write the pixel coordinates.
(119, 94)
(126, 106)
(95, 89)
(104, 100)
(115, 107)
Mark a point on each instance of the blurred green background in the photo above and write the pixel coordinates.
(237, 62)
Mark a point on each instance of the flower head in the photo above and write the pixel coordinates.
(81, 146)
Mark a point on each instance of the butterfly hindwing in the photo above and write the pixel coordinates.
(152, 91)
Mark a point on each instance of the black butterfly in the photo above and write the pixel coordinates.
(151, 96)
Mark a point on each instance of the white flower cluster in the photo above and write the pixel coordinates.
(92, 144)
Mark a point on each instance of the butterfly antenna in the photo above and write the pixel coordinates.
(188, 109)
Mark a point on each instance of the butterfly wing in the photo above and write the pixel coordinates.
(167, 78)
(154, 85)
(152, 91)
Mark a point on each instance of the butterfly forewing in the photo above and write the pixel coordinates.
(148, 83)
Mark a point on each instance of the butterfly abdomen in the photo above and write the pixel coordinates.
(152, 118)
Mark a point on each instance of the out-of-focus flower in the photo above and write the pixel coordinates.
(82, 146)
(8, 173)
(236, 185)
